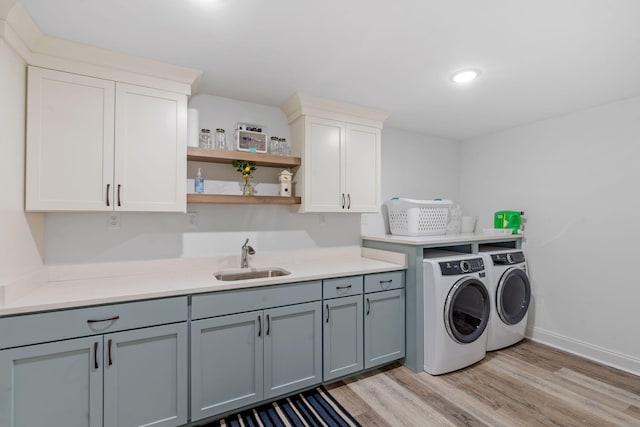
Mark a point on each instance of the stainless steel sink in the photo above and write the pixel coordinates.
(251, 273)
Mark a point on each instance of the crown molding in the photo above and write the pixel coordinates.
(299, 104)
(38, 49)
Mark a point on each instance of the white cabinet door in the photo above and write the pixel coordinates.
(151, 150)
(362, 166)
(324, 165)
(70, 130)
(341, 166)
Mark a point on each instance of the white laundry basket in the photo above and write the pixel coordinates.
(409, 217)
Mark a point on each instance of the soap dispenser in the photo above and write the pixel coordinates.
(199, 182)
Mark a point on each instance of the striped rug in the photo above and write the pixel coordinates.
(312, 408)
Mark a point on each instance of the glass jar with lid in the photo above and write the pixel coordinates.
(274, 146)
(205, 139)
(220, 140)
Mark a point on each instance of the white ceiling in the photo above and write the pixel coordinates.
(538, 59)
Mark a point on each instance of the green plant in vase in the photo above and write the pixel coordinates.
(246, 169)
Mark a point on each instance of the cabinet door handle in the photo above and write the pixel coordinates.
(385, 282)
(268, 324)
(95, 355)
(259, 325)
(110, 362)
(327, 313)
(368, 306)
(349, 201)
(108, 188)
(110, 319)
(342, 200)
(119, 195)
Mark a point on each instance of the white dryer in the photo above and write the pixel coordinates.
(510, 291)
(456, 311)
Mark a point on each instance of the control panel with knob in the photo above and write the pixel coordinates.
(465, 266)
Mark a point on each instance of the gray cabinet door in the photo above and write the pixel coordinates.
(383, 327)
(145, 377)
(342, 336)
(226, 363)
(292, 348)
(58, 383)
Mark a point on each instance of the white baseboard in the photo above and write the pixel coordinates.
(593, 352)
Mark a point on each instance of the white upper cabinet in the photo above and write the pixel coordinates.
(340, 149)
(98, 145)
(151, 149)
(70, 138)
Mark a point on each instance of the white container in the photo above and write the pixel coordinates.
(469, 224)
(409, 217)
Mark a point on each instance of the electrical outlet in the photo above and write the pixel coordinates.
(113, 221)
(363, 219)
(192, 219)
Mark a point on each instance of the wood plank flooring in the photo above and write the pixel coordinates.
(529, 384)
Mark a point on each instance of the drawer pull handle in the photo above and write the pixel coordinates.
(368, 306)
(108, 188)
(343, 287)
(95, 355)
(268, 324)
(109, 352)
(259, 325)
(110, 319)
(386, 283)
(327, 313)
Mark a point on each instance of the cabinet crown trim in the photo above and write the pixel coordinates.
(300, 104)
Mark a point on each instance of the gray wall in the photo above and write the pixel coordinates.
(576, 178)
(21, 234)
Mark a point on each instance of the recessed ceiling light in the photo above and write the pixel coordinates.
(464, 76)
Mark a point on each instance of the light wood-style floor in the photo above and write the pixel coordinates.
(528, 384)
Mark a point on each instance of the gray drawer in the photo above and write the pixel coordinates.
(64, 324)
(249, 299)
(383, 281)
(342, 287)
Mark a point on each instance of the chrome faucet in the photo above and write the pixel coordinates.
(246, 250)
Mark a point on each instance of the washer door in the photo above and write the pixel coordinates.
(466, 310)
(513, 296)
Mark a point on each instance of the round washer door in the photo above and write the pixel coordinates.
(513, 296)
(467, 310)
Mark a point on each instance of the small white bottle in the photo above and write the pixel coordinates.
(199, 182)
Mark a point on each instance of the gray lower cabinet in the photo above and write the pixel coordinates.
(342, 326)
(384, 327)
(145, 377)
(342, 337)
(241, 359)
(123, 372)
(58, 381)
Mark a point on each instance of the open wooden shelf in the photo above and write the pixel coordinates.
(227, 156)
(232, 199)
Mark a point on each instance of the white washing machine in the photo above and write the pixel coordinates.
(510, 292)
(456, 311)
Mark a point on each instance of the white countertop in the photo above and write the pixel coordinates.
(443, 238)
(67, 286)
